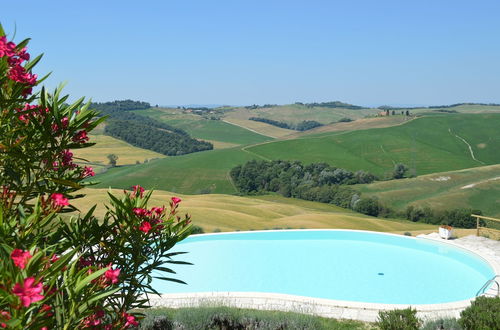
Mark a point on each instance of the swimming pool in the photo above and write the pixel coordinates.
(341, 265)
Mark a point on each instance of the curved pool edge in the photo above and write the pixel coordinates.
(330, 308)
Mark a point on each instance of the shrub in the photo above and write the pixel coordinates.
(219, 317)
(197, 230)
(442, 324)
(368, 206)
(399, 171)
(398, 319)
(61, 272)
(482, 314)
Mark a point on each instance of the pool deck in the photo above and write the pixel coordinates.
(486, 248)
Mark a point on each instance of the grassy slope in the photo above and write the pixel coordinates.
(192, 173)
(229, 213)
(356, 125)
(201, 128)
(434, 150)
(479, 187)
(425, 144)
(296, 113)
(292, 114)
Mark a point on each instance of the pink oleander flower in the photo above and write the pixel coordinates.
(20, 75)
(47, 309)
(145, 227)
(59, 200)
(86, 262)
(65, 122)
(139, 189)
(54, 258)
(7, 48)
(67, 157)
(130, 320)
(94, 319)
(80, 137)
(157, 210)
(140, 212)
(112, 275)
(28, 292)
(88, 171)
(4, 316)
(176, 200)
(20, 258)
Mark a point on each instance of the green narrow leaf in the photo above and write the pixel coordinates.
(82, 283)
(170, 279)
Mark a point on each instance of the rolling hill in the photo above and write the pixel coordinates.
(230, 213)
(427, 145)
(414, 143)
(477, 187)
(222, 133)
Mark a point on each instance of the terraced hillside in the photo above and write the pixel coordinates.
(427, 145)
(229, 213)
(478, 187)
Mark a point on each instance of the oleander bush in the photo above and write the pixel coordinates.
(61, 271)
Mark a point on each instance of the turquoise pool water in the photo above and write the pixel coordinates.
(332, 264)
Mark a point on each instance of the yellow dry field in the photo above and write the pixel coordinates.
(222, 145)
(240, 118)
(230, 213)
(105, 145)
(359, 124)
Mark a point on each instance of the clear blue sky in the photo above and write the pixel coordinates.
(264, 51)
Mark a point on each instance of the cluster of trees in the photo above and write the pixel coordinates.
(456, 217)
(155, 139)
(144, 132)
(459, 104)
(331, 104)
(302, 126)
(388, 107)
(256, 106)
(120, 106)
(324, 183)
(286, 176)
(316, 182)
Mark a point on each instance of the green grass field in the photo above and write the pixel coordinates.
(205, 129)
(424, 144)
(476, 187)
(195, 173)
(230, 213)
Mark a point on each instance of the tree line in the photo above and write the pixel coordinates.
(144, 132)
(331, 104)
(324, 183)
(302, 126)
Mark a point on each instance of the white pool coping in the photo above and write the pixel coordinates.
(338, 309)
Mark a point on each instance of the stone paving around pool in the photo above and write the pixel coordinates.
(486, 248)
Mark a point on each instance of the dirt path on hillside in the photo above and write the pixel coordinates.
(468, 145)
(472, 185)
